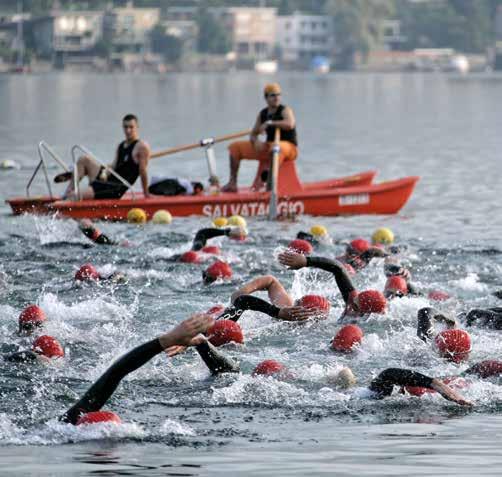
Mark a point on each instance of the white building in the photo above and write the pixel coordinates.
(252, 30)
(302, 37)
(72, 32)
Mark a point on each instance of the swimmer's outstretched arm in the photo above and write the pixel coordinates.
(384, 383)
(103, 388)
(276, 292)
(425, 322)
(216, 361)
(295, 261)
(250, 302)
(203, 235)
(373, 252)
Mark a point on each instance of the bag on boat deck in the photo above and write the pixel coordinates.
(170, 186)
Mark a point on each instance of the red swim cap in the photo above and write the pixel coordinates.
(97, 417)
(438, 295)
(218, 270)
(225, 331)
(371, 301)
(31, 316)
(487, 368)
(190, 257)
(396, 286)
(317, 302)
(216, 310)
(87, 272)
(454, 345)
(454, 382)
(346, 338)
(48, 346)
(301, 246)
(268, 368)
(212, 249)
(359, 245)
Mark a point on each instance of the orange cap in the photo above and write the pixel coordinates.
(272, 88)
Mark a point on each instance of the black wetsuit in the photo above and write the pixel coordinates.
(358, 262)
(248, 302)
(384, 383)
(99, 393)
(203, 235)
(126, 167)
(486, 318)
(27, 356)
(101, 239)
(425, 322)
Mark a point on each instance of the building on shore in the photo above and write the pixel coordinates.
(301, 38)
(252, 31)
(126, 34)
(67, 37)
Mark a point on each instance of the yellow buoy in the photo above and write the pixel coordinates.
(136, 216)
(318, 231)
(162, 217)
(383, 235)
(220, 222)
(237, 220)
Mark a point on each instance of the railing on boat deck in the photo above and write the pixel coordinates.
(273, 175)
(107, 168)
(44, 147)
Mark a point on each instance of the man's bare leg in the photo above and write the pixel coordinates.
(234, 170)
(86, 166)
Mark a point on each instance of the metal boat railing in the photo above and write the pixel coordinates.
(43, 147)
(86, 151)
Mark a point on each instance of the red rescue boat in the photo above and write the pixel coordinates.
(352, 195)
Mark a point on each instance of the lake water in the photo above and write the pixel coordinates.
(178, 420)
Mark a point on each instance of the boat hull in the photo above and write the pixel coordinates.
(385, 198)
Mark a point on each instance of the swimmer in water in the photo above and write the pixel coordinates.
(490, 318)
(44, 349)
(282, 306)
(199, 243)
(88, 273)
(359, 253)
(31, 319)
(184, 334)
(94, 234)
(398, 280)
(357, 304)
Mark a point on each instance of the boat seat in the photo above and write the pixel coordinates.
(288, 180)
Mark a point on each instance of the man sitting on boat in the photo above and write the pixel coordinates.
(131, 161)
(275, 115)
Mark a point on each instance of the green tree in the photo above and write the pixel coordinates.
(169, 46)
(357, 25)
(213, 38)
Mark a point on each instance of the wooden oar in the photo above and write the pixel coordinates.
(274, 172)
(202, 143)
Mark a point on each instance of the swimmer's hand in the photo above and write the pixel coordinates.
(292, 260)
(238, 232)
(178, 349)
(183, 334)
(297, 313)
(449, 393)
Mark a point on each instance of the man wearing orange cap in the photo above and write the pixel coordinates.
(275, 115)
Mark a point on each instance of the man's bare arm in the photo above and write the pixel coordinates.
(142, 156)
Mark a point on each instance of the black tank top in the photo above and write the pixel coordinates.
(126, 166)
(289, 136)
